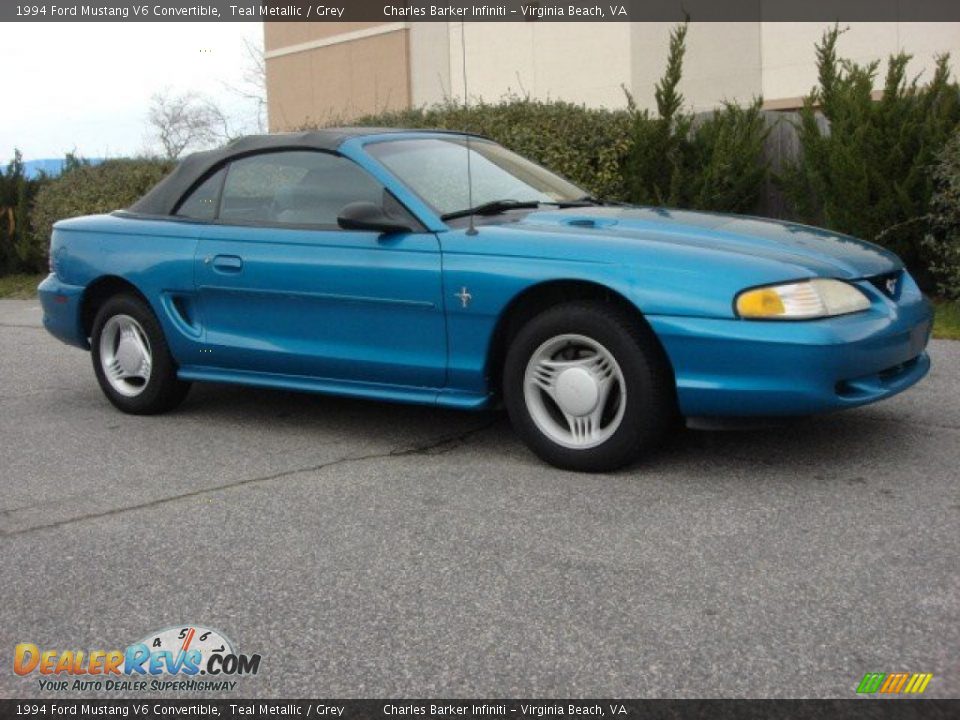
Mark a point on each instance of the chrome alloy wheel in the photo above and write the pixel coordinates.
(575, 391)
(125, 355)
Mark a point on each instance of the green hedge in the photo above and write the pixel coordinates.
(714, 162)
(943, 241)
(17, 193)
(90, 189)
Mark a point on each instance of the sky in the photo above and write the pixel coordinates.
(86, 87)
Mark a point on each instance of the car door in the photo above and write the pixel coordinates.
(283, 290)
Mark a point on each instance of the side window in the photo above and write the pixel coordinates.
(201, 204)
(297, 187)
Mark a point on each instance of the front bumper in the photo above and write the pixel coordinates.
(61, 311)
(742, 368)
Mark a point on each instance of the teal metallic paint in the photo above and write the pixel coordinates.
(743, 368)
(358, 314)
(323, 303)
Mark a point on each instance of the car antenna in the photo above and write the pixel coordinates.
(471, 229)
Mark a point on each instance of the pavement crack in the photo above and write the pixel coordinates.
(439, 445)
(43, 504)
(442, 445)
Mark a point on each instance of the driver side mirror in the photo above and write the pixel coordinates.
(368, 216)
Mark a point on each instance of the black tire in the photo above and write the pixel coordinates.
(162, 391)
(650, 408)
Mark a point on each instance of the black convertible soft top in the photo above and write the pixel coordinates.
(164, 196)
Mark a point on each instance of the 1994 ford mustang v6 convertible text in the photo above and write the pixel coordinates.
(360, 262)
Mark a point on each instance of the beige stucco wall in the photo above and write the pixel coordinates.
(565, 61)
(593, 63)
(722, 62)
(359, 68)
(789, 67)
(309, 81)
(283, 34)
(429, 63)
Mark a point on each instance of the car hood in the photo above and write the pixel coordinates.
(821, 251)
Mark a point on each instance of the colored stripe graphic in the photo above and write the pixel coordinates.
(918, 683)
(894, 683)
(871, 683)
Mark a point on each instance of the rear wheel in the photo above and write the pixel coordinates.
(587, 387)
(131, 358)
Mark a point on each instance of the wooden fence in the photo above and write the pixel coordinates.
(781, 147)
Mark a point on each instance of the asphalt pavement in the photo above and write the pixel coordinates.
(369, 550)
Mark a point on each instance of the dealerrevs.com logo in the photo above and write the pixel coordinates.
(175, 659)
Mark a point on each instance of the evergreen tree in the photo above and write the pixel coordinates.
(18, 252)
(865, 167)
(709, 163)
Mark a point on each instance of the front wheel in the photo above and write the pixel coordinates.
(587, 387)
(131, 359)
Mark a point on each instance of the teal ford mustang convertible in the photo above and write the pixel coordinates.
(362, 262)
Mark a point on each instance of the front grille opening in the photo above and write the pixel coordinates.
(874, 383)
(897, 370)
(888, 284)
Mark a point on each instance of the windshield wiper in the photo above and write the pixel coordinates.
(492, 208)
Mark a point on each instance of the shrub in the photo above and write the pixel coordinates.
(17, 193)
(943, 241)
(729, 169)
(659, 149)
(89, 189)
(714, 162)
(866, 170)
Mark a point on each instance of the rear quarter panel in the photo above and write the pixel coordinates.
(155, 256)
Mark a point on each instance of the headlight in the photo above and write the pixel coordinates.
(801, 300)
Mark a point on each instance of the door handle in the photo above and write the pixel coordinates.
(227, 263)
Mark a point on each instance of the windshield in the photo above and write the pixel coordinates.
(436, 169)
